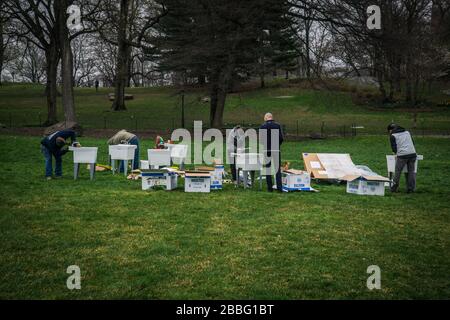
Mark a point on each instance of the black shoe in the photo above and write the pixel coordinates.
(410, 191)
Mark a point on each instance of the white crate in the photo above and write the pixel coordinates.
(159, 158)
(296, 181)
(84, 154)
(196, 182)
(153, 179)
(367, 188)
(122, 152)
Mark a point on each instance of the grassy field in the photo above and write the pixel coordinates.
(159, 109)
(230, 244)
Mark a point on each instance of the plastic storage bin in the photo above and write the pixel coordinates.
(122, 152)
(159, 158)
(84, 154)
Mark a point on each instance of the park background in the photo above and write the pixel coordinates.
(330, 81)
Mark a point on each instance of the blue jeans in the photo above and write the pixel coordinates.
(133, 141)
(48, 163)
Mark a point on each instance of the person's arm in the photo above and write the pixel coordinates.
(281, 135)
(73, 138)
(393, 144)
(412, 139)
(62, 151)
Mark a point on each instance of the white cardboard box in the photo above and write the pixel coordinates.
(197, 182)
(217, 177)
(154, 178)
(366, 185)
(217, 173)
(296, 180)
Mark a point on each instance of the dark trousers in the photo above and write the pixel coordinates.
(410, 176)
(133, 141)
(272, 159)
(48, 163)
(233, 171)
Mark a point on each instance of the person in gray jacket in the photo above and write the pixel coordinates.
(403, 146)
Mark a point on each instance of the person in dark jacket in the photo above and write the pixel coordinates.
(403, 146)
(272, 133)
(235, 142)
(54, 145)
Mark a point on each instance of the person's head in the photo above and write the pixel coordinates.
(60, 142)
(268, 117)
(392, 126)
(159, 140)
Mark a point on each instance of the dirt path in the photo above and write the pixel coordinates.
(91, 133)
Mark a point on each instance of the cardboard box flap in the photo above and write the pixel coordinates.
(295, 171)
(204, 169)
(364, 177)
(197, 174)
(313, 166)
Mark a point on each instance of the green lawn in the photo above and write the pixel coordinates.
(230, 244)
(159, 109)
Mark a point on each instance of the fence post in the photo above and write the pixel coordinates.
(297, 128)
(322, 129)
(135, 122)
(40, 120)
(10, 120)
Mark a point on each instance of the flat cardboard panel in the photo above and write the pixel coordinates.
(337, 165)
(316, 173)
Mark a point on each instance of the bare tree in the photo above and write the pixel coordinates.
(127, 25)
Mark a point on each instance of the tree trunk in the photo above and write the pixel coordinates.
(52, 60)
(225, 80)
(2, 50)
(408, 80)
(68, 100)
(307, 49)
(122, 57)
(214, 80)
